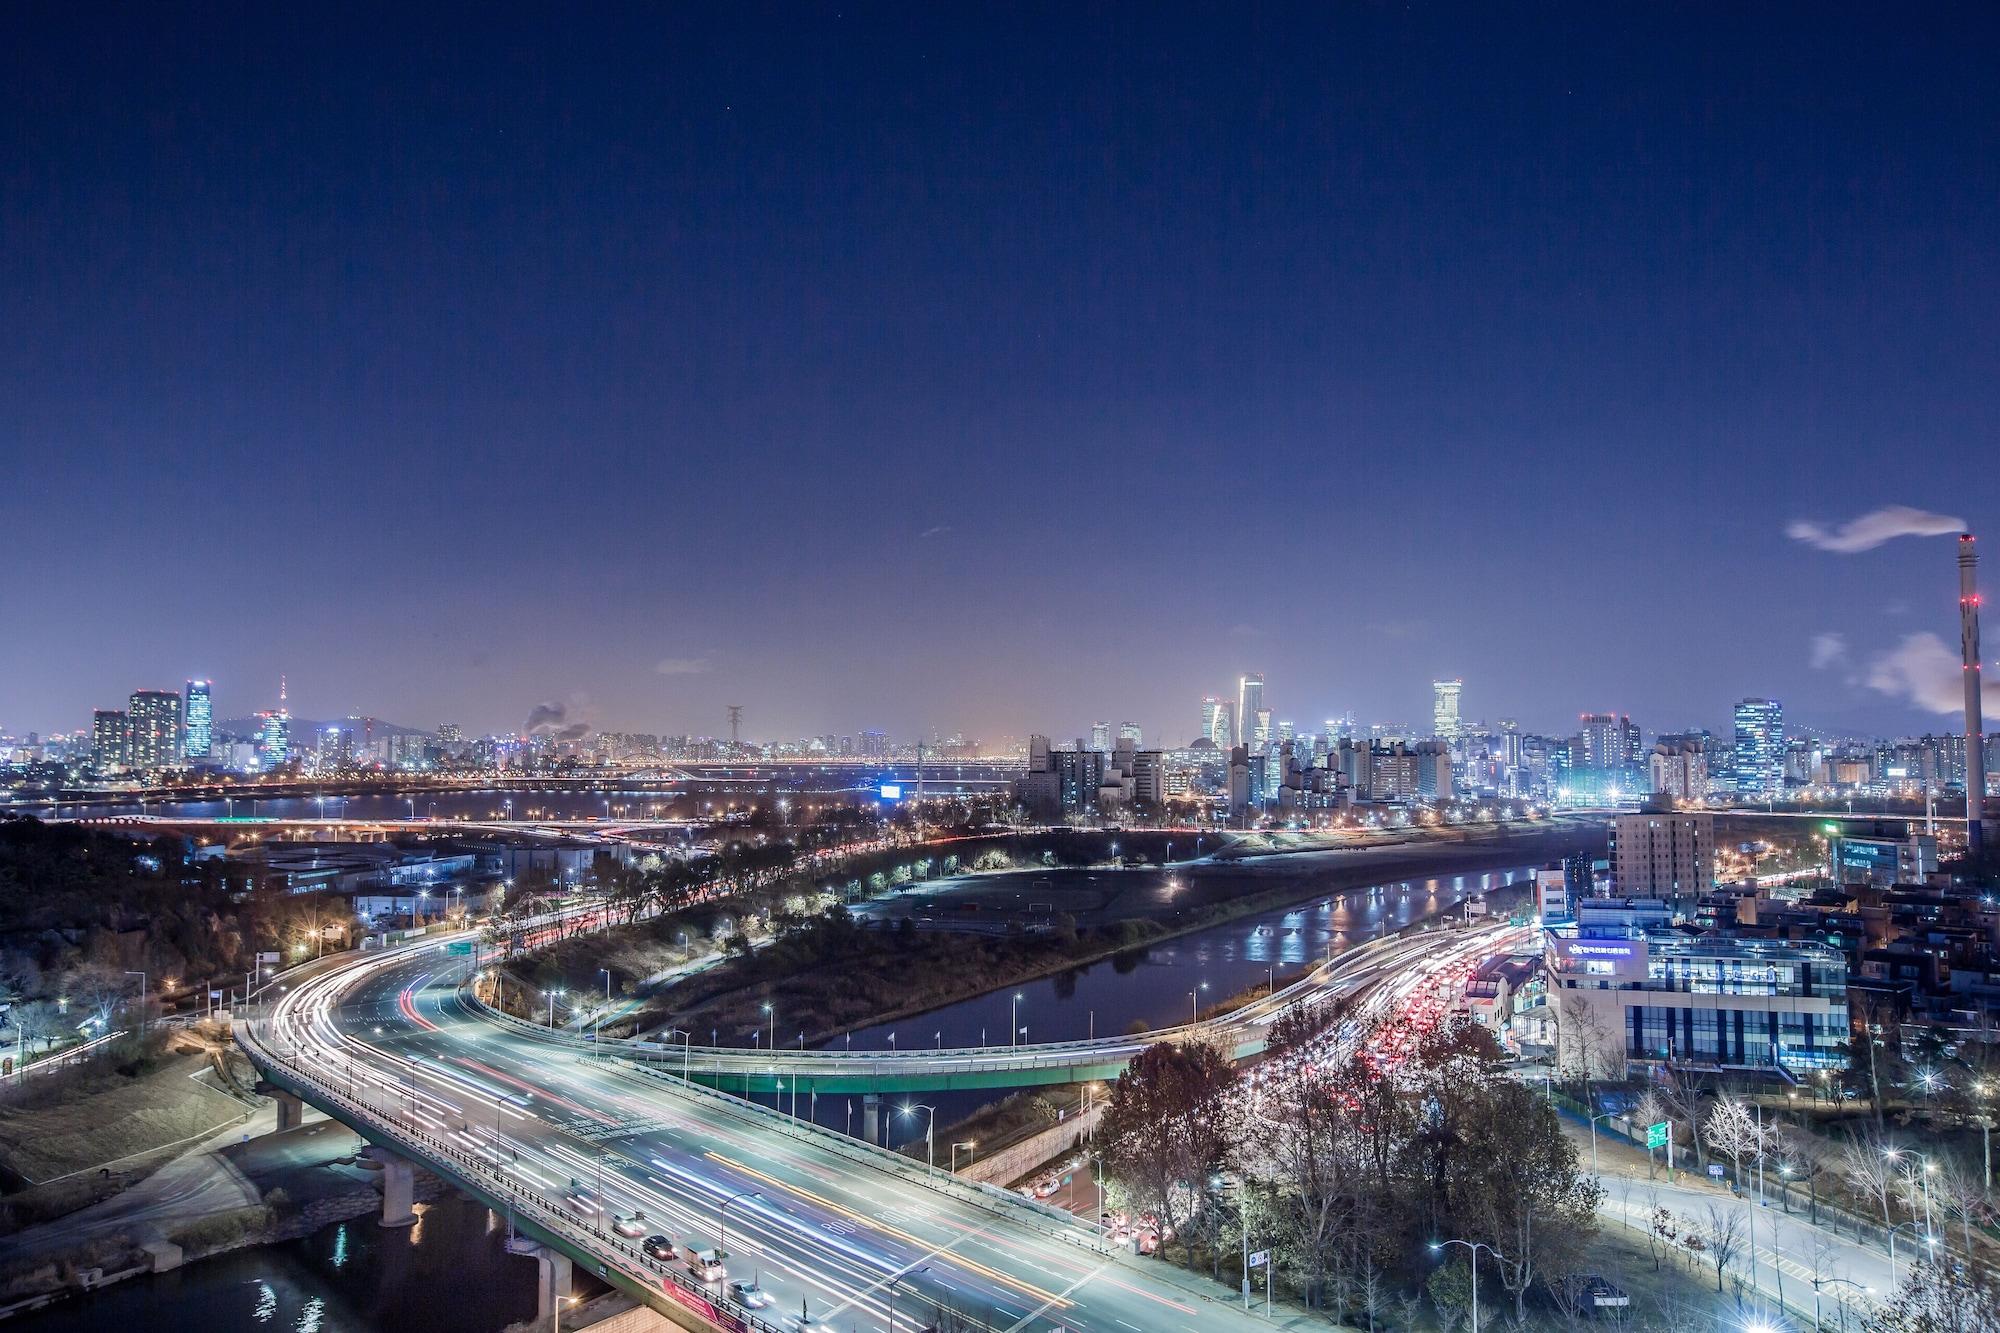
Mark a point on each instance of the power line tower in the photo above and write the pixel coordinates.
(735, 725)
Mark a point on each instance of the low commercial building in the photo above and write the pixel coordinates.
(1706, 1002)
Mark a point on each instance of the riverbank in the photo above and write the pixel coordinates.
(810, 988)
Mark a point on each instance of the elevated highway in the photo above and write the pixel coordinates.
(565, 1144)
(1242, 1033)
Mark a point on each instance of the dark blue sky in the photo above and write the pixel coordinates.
(995, 369)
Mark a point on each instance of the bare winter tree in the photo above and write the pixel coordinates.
(1722, 1235)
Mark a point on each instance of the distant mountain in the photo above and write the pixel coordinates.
(305, 726)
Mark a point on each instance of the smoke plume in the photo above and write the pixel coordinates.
(1871, 529)
(1928, 675)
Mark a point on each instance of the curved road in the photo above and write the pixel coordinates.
(821, 1223)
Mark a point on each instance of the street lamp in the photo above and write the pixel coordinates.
(597, 1029)
(1194, 998)
(561, 1301)
(1475, 1246)
(686, 1038)
(1606, 1115)
(930, 1125)
(772, 1014)
(969, 1145)
(893, 1282)
(1924, 1236)
(1014, 1027)
(1818, 1282)
(722, 1225)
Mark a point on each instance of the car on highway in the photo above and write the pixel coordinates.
(631, 1225)
(661, 1248)
(581, 1197)
(749, 1294)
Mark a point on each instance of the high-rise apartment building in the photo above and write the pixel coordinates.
(154, 729)
(1100, 737)
(1129, 731)
(1216, 723)
(1760, 748)
(1656, 854)
(109, 732)
(1444, 709)
(1678, 769)
(198, 721)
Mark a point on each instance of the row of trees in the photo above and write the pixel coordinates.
(1351, 1175)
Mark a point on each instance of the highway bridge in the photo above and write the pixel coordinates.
(574, 1149)
(804, 1073)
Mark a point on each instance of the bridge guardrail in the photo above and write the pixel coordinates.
(481, 1175)
(991, 1058)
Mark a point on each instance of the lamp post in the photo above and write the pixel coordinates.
(969, 1145)
(686, 1037)
(772, 1014)
(597, 1028)
(722, 1225)
(1926, 1237)
(1474, 1246)
(1818, 1282)
(1014, 1027)
(499, 1102)
(930, 1126)
(561, 1301)
(1194, 998)
(896, 1281)
(1593, 1137)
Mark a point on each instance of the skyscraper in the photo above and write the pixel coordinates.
(1129, 731)
(274, 738)
(1760, 748)
(154, 720)
(1444, 709)
(1100, 737)
(1215, 723)
(1249, 703)
(198, 718)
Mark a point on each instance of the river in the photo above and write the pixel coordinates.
(450, 1273)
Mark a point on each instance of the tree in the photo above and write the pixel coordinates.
(1866, 1165)
(1164, 1129)
(1718, 1234)
(1733, 1130)
(1940, 1296)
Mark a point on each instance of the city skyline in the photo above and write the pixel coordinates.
(703, 360)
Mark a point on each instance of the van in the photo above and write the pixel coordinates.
(706, 1265)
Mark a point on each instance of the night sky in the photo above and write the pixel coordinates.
(931, 367)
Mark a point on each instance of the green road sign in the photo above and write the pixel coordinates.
(1656, 1135)
(459, 948)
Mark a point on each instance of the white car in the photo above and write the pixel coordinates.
(749, 1294)
(630, 1225)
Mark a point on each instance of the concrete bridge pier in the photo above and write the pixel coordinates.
(398, 1192)
(871, 1118)
(291, 1111)
(554, 1278)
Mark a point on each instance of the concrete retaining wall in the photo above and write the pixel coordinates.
(1018, 1159)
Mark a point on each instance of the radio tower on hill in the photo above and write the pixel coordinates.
(735, 727)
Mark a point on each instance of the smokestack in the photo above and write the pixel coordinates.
(1975, 731)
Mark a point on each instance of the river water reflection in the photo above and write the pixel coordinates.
(448, 1274)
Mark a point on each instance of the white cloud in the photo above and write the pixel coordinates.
(1923, 671)
(1827, 649)
(1871, 529)
(682, 666)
